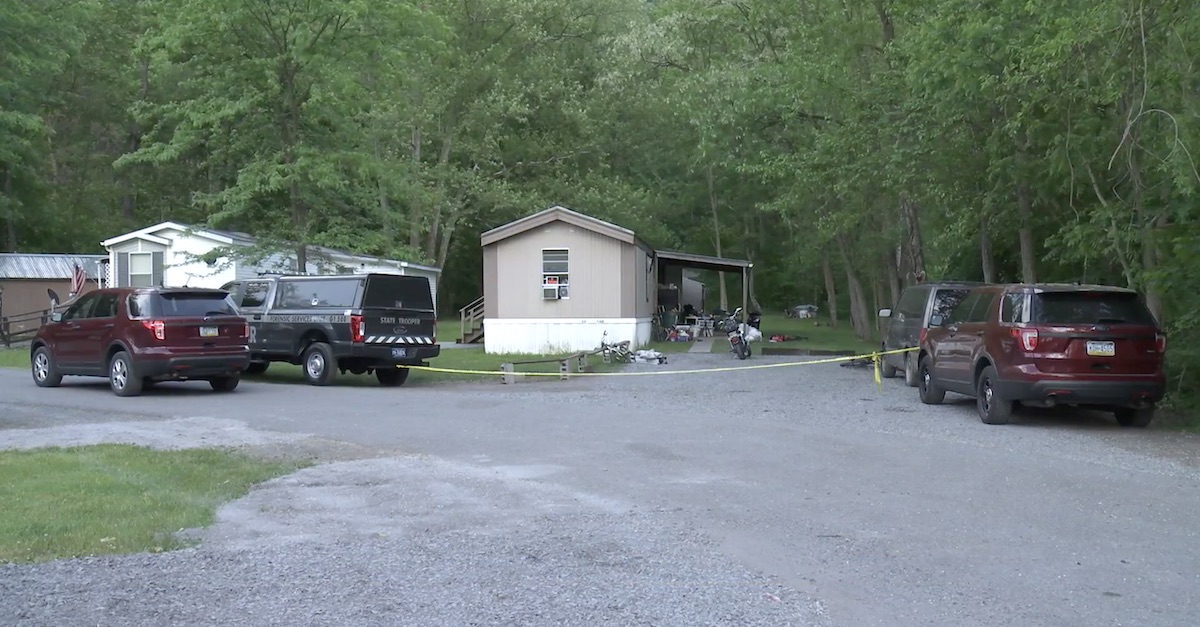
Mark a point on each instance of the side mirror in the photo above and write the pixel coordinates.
(936, 320)
(56, 316)
(885, 313)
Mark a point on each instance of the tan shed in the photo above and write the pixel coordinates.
(558, 280)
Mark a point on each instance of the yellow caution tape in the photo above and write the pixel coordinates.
(874, 357)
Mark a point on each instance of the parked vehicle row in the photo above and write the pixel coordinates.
(362, 324)
(1044, 345)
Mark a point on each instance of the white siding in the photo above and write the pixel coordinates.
(547, 336)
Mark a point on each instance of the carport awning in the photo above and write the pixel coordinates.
(702, 262)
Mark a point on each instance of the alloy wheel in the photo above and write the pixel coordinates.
(120, 374)
(41, 366)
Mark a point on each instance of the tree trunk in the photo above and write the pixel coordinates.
(893, 276)
(712, 204)
(414, 220)
(859, 317)
(1150, 260)
(830, 287)
(1025, 234)
(10, 222)
(916, 246)
(986, 256)
(877, 293)
(435, 221)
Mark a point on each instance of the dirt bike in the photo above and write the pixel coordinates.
(738, 343)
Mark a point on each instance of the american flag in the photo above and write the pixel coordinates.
(78, 279)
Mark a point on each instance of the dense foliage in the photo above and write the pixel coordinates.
(845, 147)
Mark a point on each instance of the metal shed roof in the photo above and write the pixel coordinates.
(47, 266)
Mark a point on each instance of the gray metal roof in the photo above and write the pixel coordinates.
(47, 266)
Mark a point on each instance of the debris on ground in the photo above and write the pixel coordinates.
(649, 356)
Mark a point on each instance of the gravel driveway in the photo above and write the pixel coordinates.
(781, 496)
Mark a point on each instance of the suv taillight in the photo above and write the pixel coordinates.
(158, 327)
(1027, 338)
(246, 329)
(356, 328)
(1160, 342)
(435, 331)
(924, 332)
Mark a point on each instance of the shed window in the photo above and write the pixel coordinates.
(555, 266)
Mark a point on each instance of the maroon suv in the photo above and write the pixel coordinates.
(1046, 345)
(136, 336)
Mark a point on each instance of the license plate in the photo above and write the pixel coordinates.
(1101, 349)
(399, 352)
(208, 331)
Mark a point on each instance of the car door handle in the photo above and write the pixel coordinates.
(257, 316)
(979, 333)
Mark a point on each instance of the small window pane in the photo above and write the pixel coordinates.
(141, 280)
(106, 306)
(555, 261)
(254, 295)
(141, 263)
(1014, 308)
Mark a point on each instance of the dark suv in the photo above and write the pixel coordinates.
(1045, 345)
(909, 319)
(136, 336)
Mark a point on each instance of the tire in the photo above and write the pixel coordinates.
(912, 377)
(1136, 418)
(742, 351)
(122, 375)
(886, 370)
(319, 365)
(391, 377)
(931, 393)
(41, 366)
(257, 367)
(224, 384)
(993, 409)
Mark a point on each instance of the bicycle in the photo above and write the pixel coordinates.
(618, 352)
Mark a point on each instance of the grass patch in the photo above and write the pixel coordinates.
(115, 498)
(14, 357)
(811, 333)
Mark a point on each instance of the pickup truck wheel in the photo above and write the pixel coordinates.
(122, 377)
(320, 367)
(886, 370)
(993, 410)
(257, 367)
(931, 393)
(911, 377)
(391, 377)
(224, 384)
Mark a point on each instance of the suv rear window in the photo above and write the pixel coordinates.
(398, 292)
(180, 305)
(1090, 307)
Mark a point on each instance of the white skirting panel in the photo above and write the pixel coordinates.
(545, 336)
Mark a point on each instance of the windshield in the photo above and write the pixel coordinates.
(1084, 307)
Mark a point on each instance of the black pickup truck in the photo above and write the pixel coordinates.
(357, 323)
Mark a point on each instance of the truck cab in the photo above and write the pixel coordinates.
(346, 323)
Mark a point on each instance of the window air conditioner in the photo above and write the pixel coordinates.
(549, 292)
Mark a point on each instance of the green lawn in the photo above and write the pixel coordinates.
(811, 334)
(115, 498)
(14, 357)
